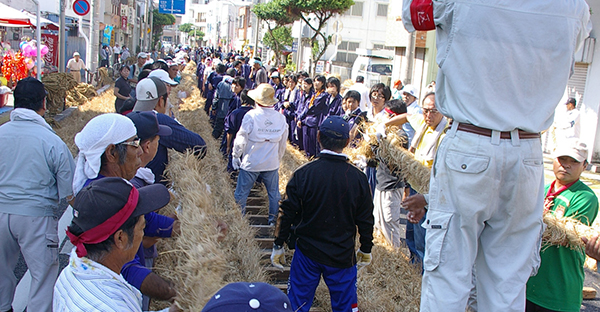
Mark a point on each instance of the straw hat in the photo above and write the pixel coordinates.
(263, 95)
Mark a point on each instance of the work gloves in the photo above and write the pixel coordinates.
(236, 163)
(362, 259)
(278, 256)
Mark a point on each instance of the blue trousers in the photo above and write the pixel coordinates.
(415, 237)
(305, 275)
(270, 179)
(300, 136)
(309, 136)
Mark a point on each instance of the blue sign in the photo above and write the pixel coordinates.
(106, 34)
(171, 6)
(295, 46)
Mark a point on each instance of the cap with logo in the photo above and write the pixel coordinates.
(335, 127)
(242, 296)
(147, 92)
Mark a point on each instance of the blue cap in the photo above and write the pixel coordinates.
(335, 127)
(242, 296)
(147, 125)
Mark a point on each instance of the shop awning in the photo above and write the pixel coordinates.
(10, 17)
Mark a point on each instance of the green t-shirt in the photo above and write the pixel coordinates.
(559, 281)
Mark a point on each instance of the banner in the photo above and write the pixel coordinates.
(51, 41)
(106, 35)
(171, 6)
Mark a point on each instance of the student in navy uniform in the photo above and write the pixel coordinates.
(237, 86)
(222, 100)
(288, 106)
(334, 102)
(314, 112)
(212, 81)
(275, 82)
(200, 74)
(353, 114)
(332, 199)
(246, 70)
(237, 65)
(234, 121)
(152, 96)
(306, 95)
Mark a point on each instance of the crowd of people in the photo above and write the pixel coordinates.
(475, 234)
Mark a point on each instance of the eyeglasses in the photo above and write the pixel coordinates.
(376, 95)
(135, 143)
(430, 111)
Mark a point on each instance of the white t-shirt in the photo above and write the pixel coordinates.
(74, 65)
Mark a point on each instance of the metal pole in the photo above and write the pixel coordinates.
(88, 48)
(39, 41)
(94, 35)
(62, 39)
(406, 77)
(299, 52)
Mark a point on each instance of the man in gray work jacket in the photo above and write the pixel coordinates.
(36, 171)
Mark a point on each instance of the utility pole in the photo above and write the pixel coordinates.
(408, 64)
(62, 39)
(94, 35)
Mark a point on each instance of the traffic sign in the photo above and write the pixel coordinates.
(81, 7)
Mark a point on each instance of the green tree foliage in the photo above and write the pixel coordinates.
(276, 16)
(186, 28)
(159, 20)
(196, 34)
(315, 14)
(277, 39)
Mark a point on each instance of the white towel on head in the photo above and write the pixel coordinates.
(92, 141)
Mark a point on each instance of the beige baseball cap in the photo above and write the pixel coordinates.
(574, 149)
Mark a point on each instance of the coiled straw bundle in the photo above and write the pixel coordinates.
(397, 158)
(560, 231)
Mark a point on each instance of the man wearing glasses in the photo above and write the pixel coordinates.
(110, 147)
(430, 130)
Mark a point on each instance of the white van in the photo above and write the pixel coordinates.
(374, 65)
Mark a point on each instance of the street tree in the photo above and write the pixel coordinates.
(196, 34)
(277, 16)
(186, 28)
(277, 39)
(316, 14)
(160, 20)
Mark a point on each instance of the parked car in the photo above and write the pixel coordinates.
(374, 65)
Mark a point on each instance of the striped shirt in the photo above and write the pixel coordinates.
(85, 285)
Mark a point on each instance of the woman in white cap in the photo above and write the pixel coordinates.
(75, 65)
